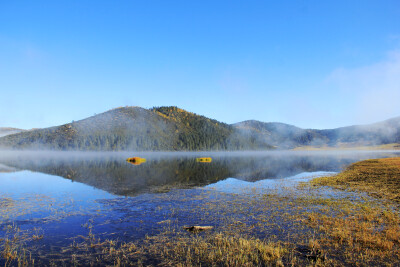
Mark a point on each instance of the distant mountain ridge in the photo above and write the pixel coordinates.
(175, 129)
(289, 136)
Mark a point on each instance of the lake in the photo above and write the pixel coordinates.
(57, 201)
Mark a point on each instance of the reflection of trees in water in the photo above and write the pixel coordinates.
(117, 176)
(122, 178)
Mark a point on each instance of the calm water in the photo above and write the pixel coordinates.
(60, 194)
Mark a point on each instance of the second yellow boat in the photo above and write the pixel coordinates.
(204, 159)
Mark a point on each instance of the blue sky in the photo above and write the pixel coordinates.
(314, 64)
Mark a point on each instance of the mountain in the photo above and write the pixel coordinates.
(281, 135)
(288, 136)
(139, 129)
(384, 132)
(174, 129)
(7, 130)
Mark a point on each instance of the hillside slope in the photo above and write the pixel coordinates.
(135, 128)
(174, 129)
(8, 130)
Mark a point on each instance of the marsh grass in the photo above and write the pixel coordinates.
(20, 245)
(176, 248)
(243, 237)
(366, 230)
(217, 249)
(13, 248)
(378, 177)
(313, 224)
(357, 232)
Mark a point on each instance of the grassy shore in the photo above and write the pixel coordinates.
(378, 177)
(367, 232)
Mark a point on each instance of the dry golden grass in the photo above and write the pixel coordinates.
(358, 233)
(12, 248)
(378, 177)
(216, 249)
(365, 231)
(171, 248)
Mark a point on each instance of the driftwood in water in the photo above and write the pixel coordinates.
(197, 228)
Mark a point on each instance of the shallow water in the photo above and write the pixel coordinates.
(67, 195)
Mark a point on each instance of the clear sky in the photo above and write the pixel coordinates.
(314, 64)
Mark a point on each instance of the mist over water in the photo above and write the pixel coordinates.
(163, 171)
(61, 193)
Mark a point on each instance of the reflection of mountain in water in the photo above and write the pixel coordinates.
(115, 175)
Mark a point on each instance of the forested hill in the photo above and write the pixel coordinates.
(174, 129)
(135, 128)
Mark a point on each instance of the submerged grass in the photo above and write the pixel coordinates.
(13, 249)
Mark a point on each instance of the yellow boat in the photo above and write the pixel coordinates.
(136, 160)
(207, 160)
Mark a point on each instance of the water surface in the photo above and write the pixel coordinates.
(65, 195)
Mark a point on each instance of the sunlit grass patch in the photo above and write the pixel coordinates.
(378, 177)
(361, 233)
(219, 249)
(364, 230)
(174, 247)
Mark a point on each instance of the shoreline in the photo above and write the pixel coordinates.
(393, 146)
